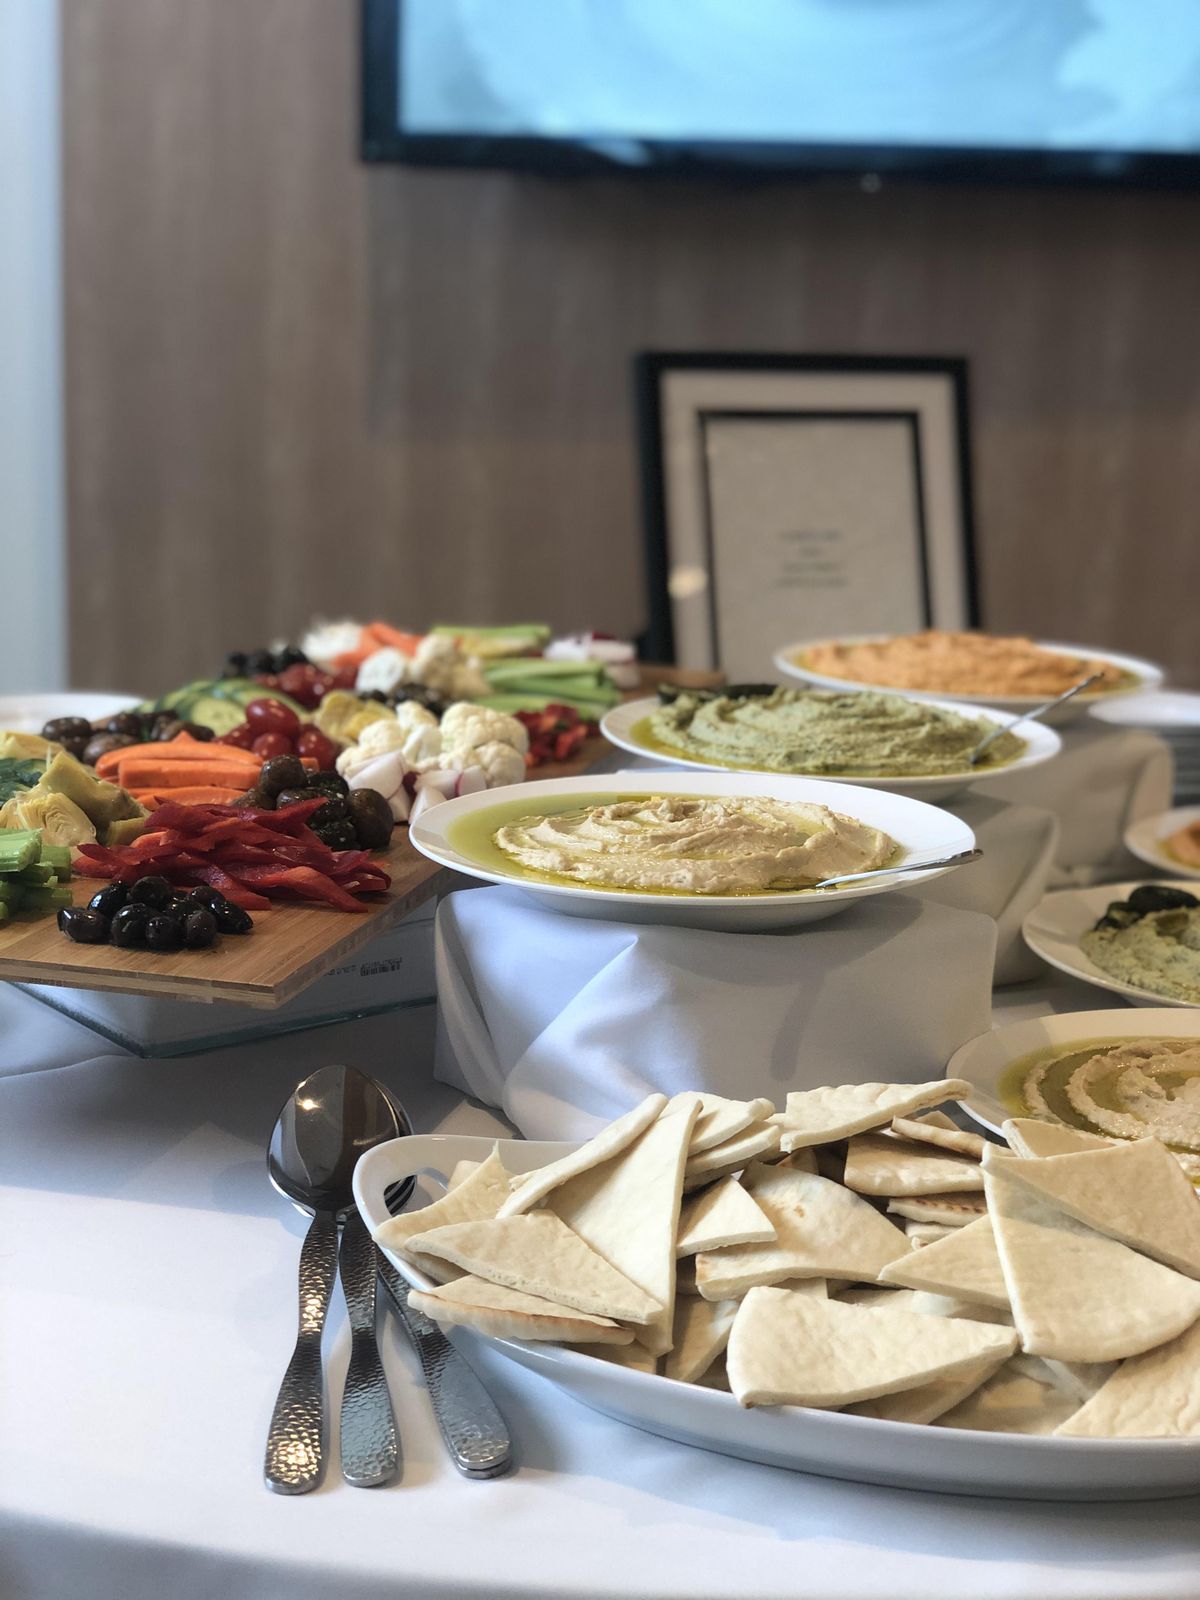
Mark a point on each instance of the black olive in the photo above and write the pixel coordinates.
(282, 772)
(1150, 897)
(208, 897)
(128, 928)
(373, 820)
(235, 664)
(1120, 914)
(289, 656)
(83, 925)
(335, 809)
(179, 904)
(232, 919)
(74, 747)
(151, 891)
(164, 933)
(255, 797)
(199, 928)
(60, 729)
(126, 722)
(198, 730)
(109, 900)
(330, 782)
(101, 743)
(339, 835)
(294, 797)
(259, 663)
(168, 730)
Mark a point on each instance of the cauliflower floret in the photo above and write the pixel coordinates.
(382, 735)
(440, 664)
(500, 762)
(412, 714)
(384, 670)
(466, 726)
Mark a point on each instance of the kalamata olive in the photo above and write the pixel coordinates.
(164, 933)
(199, 928)
(101, 743)
(232, 919)
(198, 730)
(151, 891)
(373, 820)
(294, 797)
(340, 835)
(60, 729)
(109, 900)
(282, 772)
(127, 722)
(330, 782)
(74, 747)
(1150, 897)
(128, 926)
(335, 809)
(83, 925)
(256, 797)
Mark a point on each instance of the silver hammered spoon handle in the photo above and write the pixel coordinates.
(370, 1446)
(473, 1429)
(295, 1455)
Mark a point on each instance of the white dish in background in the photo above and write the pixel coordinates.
(833, 1445)
(983, 1061)
(1174, 709)
(1056, 924)
(1042, 743)
(1149, 678)
(923, 831)
(27, 713)
(1146, 840)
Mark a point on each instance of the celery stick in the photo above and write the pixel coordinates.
(36, 872)
(19, 847)
(46, 897)
(10, 892)
(58, 856)
(3, 914)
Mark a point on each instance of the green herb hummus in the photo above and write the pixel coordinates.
(799, 730)
(1159, 952)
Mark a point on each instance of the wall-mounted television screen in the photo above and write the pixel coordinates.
(1104, 90)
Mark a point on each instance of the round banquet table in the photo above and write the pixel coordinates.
(147, 1310)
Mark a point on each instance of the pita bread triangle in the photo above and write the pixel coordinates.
(721, 1119)
(1010, 1401)
(817, 1116)
(508, 1314)
(928, 1400)
(936, 1128)
(720, 1216)
(1058, 1272)
(1151, 1396)
(617, 1136)
(539, 1255)
(627, 1210)
(966, 1264)
(1030, 1136)
(788, 1349)
(701, 1332)
(1133, 1192)
(881, 1164)
(479, 1195)
(821, 1231)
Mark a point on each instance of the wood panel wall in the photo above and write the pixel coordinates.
(296, 385)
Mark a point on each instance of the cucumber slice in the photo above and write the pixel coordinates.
(222, 716)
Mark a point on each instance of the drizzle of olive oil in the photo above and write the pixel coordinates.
(474, 836)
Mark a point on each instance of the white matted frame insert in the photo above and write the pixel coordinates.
(793, 497)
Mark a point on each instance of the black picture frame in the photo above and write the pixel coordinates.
(870, 166)
(654, 369)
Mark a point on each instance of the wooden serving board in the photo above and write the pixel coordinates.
(291, 946)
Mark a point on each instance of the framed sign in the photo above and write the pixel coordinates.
(800, 497)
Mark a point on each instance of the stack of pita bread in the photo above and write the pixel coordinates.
(856, 1251)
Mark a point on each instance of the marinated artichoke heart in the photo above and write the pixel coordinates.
(797, 730)
(60, 819)
(26, 747)
(695, 844)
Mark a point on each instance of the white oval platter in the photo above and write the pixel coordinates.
(1056, 924)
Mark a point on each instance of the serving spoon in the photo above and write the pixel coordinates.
(959, 860)
(1032, 716)
(329, 1121)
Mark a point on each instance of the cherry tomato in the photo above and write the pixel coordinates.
(300, 682)
(241, 737)
(272, 716)
(268, 745)
(313, 743)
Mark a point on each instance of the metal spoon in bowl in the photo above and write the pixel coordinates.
(331, 1119)
(1031, 716)
(960, 860)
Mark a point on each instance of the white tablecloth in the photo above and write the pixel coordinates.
(147, 1285)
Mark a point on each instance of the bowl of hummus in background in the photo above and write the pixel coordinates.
(1161, 948)
(1007, 673)
(665, 814)
(916, 747)
(1102, 1073)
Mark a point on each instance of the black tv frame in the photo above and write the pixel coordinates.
(868, 166)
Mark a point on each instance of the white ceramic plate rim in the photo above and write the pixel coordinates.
(1150, 676)
(429, 833)
(983, 1059)
(437, 1154)
(1042, 743)
(25, 713)
(1090, 903)
(1146, 838)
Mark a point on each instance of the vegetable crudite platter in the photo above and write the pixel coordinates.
(851, 1285)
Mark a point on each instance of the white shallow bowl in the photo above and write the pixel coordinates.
(1147, 840)
(1148, 675)
(1056, 924)
(982, 1061)
(27, 713)
(863, 1449)
(1041, 743)
(924, 832)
